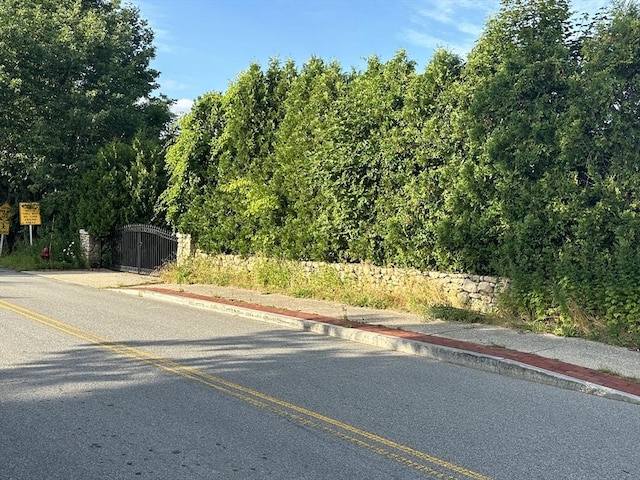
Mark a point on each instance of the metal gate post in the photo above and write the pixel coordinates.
(138, 251)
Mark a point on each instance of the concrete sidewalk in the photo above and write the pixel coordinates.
(565, 362)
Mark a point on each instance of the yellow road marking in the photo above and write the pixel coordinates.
(282, 408)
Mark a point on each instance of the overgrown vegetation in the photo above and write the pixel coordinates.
(288, 277)
(520, 161)
(25, 257)
(80, 131)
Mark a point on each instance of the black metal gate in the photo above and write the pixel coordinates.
(142, 248)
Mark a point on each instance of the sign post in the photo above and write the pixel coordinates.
(5, 216)
(30, 215)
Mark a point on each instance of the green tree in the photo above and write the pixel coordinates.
(123, 186)
(74, 76)
(426, 143)
(243, 206)
(192, 162)
(363, 149)
(223, 160)
(296, 181)
(601, 141)
(499, 215)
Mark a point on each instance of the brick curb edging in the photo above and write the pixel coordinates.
(500, 360)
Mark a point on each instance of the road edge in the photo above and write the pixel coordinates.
(466, 358)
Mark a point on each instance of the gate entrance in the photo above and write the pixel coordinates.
(142, 248)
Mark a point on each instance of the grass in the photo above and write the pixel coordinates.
(457, 314)
(26, 260)
(289, 278)
(415, 295)
(24, 257)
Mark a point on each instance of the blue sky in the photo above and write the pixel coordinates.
(202, 45)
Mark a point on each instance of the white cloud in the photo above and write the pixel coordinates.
(182, 106)
(164, 40)
(421, 39)
(589, 6)
(453, 24)
(457, 24)
(424, 40)
(470, 28)
(449, 11)
(439, 16)
(173, 85)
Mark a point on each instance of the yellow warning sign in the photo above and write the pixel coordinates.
(30, 213)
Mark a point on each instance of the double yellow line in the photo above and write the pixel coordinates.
(425, 463)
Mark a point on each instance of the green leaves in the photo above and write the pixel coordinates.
(520, 162)
(75, 76)
(122, 187)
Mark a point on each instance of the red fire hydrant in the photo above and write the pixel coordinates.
(44, 255)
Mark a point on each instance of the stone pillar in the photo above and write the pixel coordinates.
(186, 248)
(91, 249)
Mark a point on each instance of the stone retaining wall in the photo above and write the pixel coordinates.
(476, 292)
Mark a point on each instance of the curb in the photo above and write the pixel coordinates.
(396, 341)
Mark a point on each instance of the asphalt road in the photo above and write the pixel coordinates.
(95, 384)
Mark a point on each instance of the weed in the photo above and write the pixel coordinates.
(416, 295)
(274, 274)
(26, 260)
(455, 314)
(533, 326)
(346, 322)
(287, 277)
(302, 292)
